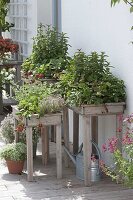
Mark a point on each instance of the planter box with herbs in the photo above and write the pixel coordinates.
(39, 105)
(90, 89)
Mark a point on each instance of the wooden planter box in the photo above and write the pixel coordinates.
(102, 109)
(86, 112)
(49, 119)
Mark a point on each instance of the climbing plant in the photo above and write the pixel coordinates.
(4, 25)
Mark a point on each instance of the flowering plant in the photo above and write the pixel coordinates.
(7, 47)
(122, 170)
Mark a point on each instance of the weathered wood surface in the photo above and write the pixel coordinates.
(51, 119)
(104, 109)
(66, 134)
(87, 112)
(45, 144)
(75, 132)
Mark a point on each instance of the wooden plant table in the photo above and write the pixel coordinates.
(49, 119)
(86, 112)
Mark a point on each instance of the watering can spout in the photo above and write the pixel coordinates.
(73, 158)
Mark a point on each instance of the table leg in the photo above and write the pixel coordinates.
(66, 134)
(119, 124)
(16, 134)
(45, 145)
(58, 151)
(29, 153)
(87, 149)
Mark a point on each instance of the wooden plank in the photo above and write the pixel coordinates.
(58, 151)
(51, 119)
(119, 125)
(103, 109)
(66, 134)
(75, 132)
(16, 134)
(94, 131)
(53, 133)
(87, 148)
(29, 153)
(45, 144)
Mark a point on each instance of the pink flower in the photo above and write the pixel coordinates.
(104, 147)
(127, 139)
(120, 118)
(112, 144)
(101, 163)
(119, 130)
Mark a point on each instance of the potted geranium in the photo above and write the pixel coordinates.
(15, 155)
(7, 48)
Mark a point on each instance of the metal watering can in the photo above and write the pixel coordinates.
(78, 162)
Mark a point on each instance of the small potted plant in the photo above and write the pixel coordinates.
(49, 55)
(15, 155)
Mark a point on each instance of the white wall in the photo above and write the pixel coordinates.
(92, 25)
(95, 26)
(39, 11)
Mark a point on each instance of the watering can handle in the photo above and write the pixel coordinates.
(96, 147)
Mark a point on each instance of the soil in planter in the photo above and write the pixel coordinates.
(15, 167)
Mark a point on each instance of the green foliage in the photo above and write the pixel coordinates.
(4, 25)
(122, 171)
(7, 129)
(35, 135)
(49, 54)
(88, 80)
(14, 151)
(6, 77)
(130, 3)
(31, 99)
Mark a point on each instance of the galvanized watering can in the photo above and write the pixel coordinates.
(78, 162)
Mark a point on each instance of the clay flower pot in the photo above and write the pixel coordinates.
(15, 167)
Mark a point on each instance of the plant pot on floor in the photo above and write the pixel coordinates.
(14, 154)
(15, 167)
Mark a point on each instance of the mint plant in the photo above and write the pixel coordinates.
(88, 80)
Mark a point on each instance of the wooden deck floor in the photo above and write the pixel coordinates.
(47, 187)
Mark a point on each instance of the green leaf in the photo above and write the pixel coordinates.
(131, 9)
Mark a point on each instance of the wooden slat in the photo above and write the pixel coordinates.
(87, 149)
(75, 132)
(29, 153)
(45, 144)
(58, 151)
(16, 134)
(66, 134)
(51, 119)
(103, 109)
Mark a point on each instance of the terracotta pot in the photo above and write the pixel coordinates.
(15, 167)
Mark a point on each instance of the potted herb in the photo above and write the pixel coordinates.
(49, 54)
(38, 99)
(88, 80)
(15, 155)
